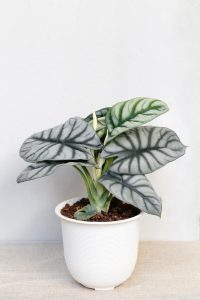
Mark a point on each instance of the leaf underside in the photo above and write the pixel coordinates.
(143, 150)
(135, 190)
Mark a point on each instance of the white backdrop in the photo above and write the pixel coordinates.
(61, 58)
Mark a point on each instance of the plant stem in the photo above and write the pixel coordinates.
(99, 196)
(87, 184)
(106, 166)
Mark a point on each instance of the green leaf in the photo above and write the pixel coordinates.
(132, 113)
(70, 141)
(135, 190)
(143, 150)
(38, 170)
(85, 213)
(101, 123)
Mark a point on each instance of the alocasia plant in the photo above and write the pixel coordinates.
(111, 151)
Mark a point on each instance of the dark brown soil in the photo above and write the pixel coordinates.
(118, 211)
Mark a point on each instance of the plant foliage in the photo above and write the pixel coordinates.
(111, 150)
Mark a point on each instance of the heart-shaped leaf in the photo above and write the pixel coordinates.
(70, 141)
(135, 190)
(132, 113)
(143, 150)
(41, 169)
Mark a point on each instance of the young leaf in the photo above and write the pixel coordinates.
(143, 150)
(85, 213)
(135, 190)
(38, 170)
(101, 113)
(101, 129)
(94, 121)
(135, 112)
(70, 141)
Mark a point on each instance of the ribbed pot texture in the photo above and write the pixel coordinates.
(99, 255)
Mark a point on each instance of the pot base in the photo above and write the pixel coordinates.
(105, 289)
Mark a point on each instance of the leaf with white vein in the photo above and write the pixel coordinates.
(135, 190)
(69, 141)
(132, 113)
(143, 150)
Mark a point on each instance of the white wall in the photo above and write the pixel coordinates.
(62, 58)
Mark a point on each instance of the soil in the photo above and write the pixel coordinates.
(117, 211)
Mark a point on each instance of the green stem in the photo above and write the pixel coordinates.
(99, 196)
(86, 171)
(107, 164)
(87, 184)
(107, 203)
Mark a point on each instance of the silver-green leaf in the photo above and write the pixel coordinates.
(132, 113)
(85, 213)
(135, 190)
(69, 141)
(42, 169)
(143, 150)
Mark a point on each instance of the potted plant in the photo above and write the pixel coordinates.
(113, 153)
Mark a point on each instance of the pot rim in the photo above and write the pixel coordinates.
(62, 204)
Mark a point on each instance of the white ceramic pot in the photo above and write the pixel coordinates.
(99, 255)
